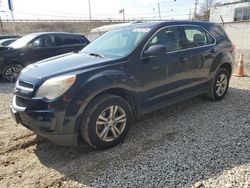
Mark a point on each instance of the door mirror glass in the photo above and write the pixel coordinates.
(155, 50)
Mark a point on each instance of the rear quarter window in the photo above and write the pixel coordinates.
(219, 33)
(83, 40)
(69, 40)
(195, 36)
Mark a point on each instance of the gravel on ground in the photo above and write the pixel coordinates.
(196, 143)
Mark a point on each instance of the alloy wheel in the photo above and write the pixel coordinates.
(12, 73)
(221, 85)
(111, 123)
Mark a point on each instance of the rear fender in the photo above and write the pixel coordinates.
(221, 58)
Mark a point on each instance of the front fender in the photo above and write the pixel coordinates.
(96, 84)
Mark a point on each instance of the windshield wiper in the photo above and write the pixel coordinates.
(95, 54)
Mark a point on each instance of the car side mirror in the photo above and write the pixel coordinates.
(30, 46)
(155, 50)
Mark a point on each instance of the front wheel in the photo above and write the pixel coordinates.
(106, 121)
(11, 72)
(219, 86)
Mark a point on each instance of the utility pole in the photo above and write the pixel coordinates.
(159, 10)
(123, 15)
(89, 11)
(122, 11)
(190, 14)
(195, 9)
(1, 24)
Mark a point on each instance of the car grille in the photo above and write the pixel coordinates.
(25, 84)
(22, 102)
(23, 92)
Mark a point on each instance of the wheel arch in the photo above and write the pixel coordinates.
(123, 93)
(227, 66)
(222, 60)
(117, 83)
(8, 63)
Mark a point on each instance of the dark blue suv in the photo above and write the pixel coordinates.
(95, 94)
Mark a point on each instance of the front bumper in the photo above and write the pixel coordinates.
(46, 123)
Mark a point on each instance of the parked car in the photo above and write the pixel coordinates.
(2, 48)
(6, 42)
(9, 36)
(96, 32)
(35, 47)
(96, 94)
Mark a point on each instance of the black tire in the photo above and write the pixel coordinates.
(212, 94)
(15, 69)
(98, 107)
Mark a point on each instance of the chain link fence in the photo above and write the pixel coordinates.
(239, 33)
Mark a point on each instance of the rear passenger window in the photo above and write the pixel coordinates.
(196, 36)
(61, 40)
(68, 40)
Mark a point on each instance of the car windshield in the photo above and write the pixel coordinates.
(116, 43)
(21, 42)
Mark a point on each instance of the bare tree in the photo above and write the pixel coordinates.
(205, 7)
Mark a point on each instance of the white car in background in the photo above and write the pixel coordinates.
(96, 32)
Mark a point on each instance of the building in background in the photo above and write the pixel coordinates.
(235, 18)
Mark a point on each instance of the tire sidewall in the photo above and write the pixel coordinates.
(219, 72)
(88, 125)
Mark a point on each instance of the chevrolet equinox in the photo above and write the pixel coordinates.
(95, 94)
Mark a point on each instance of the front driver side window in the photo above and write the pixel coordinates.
(43, 42)
(169, 37)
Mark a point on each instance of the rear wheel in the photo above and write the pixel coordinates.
(11, 72)
(106, 121)
(219, 86)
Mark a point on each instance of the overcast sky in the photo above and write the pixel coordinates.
(101, 9)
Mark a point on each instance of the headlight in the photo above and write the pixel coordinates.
(55, 87)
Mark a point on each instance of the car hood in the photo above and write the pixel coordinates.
(61, 64)
(8, 51)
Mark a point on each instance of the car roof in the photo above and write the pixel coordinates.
(166, 23)
(46, 33)
(3, 40)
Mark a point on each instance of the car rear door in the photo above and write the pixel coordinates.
(66, 43)
(200, 51)
(165, 75)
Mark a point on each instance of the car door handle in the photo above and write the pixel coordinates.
(155, 67)
(183, 59)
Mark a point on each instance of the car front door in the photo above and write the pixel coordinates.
(38, 49)
(164, 75)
